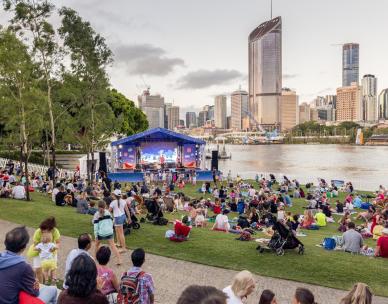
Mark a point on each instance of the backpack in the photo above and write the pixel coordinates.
(329, 243)
(129, 289)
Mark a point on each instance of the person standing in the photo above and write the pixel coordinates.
(16, 275)
(121, 215)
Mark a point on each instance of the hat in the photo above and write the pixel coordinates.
(385, 231)
(117, 192)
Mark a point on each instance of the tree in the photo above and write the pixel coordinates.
(131, 119)
(21, 100)
(32, 16)
(90, 56)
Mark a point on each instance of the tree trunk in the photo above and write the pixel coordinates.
(87, 165)
(24, 144)
(27, 179)
(92, 167)
(52, 127)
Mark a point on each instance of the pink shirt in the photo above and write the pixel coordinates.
(106, 274)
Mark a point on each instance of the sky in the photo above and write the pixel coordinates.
(189, 51)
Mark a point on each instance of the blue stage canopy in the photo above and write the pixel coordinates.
(158, 134)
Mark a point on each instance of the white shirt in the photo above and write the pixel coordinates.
(252, 192)
(232, 298)
(18, 192)
(222, 222)
(54, 194)
(118, 210)
(70, 258)
(45, 250)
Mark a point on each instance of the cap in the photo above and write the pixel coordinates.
(117, 192)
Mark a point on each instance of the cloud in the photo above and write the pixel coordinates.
(326, 90)
(201, 79)
(146, 59)
(289, 76)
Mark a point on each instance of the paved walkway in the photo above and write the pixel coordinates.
(172, 276)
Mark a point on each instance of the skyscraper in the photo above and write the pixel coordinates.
(239, 108)
(349, 105)
(202, 117)
(153, 108)
(167, 106)
(173, 117)
(304, 112)
(265, 72)
(383, 104)
(289, 109)
(369, 99)
(350, 64)
(220, 111)
(191, 119)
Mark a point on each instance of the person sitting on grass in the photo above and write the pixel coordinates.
(19, 192)
(352, 240)
(308, 220)
(82, 203)
(109, 282)
(320, 218)
(382, 244)
(222, 221)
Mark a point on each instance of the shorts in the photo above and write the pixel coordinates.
(50, 264)
(37, 261)
(120, 220)
(104, 238)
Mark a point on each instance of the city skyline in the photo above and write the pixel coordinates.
(149, 44)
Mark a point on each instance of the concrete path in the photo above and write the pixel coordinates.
(171, 276)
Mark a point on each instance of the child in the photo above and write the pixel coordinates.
(280, 214)
(46, 250)
(217, 207)
(92, 208)
(340, 207)
(200, 218)
(108, 279)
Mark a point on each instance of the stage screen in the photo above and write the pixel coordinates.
(127, 157)
(189, 156)
(159, 152)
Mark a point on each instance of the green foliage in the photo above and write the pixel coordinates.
(131, 119)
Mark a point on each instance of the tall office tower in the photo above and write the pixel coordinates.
(210, 113)
(153, 108)
(350, 64)
(370, 108)
(239, 109)
(202, 118)
(220, 111)
(167, 106)
(191, 119)
(289, 109)
(304, 112)
(265, 72)
(349, 105)
(383, 104)
(173, 117)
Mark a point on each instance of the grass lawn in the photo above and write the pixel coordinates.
(318, 266)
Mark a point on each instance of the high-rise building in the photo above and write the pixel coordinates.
(326, 113)
(173, 117)
(153, 108)
(167, 106)
(383, 104)
(304, 112)
(350, 64)
(349, 105)
(229, 122)
(289, 109)
(265, 72)
(220, 111)
(202, 118)
(191, 119)
(370, 108)
(210, 113)
(239, 109)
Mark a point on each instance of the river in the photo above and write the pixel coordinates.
(365, 166)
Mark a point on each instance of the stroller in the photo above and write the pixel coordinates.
(155, 213)
(134, 224)
(282, 239)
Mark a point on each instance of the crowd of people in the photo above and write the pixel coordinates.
(259, 206)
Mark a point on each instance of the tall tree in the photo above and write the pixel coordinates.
(90, 57)
(132, 119)
(31, 19)
(21, 100)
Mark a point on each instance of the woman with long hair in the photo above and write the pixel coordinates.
(242, 286)
(121, 215)
(82, 283)
(360, 294)
(267, 297)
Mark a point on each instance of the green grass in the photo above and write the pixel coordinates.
(318, 266)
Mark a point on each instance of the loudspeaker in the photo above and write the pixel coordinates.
(214, 160)
(103, 165)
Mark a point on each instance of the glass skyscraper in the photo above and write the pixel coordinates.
(350, 63)
(265, 72)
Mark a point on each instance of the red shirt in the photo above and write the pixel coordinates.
(382, 242)
(217, 209)
(181, 229)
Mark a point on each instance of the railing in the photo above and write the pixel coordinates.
(39, 169)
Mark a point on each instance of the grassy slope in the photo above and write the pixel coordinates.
(317, 266)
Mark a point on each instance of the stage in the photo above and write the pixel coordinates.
(157, 150)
